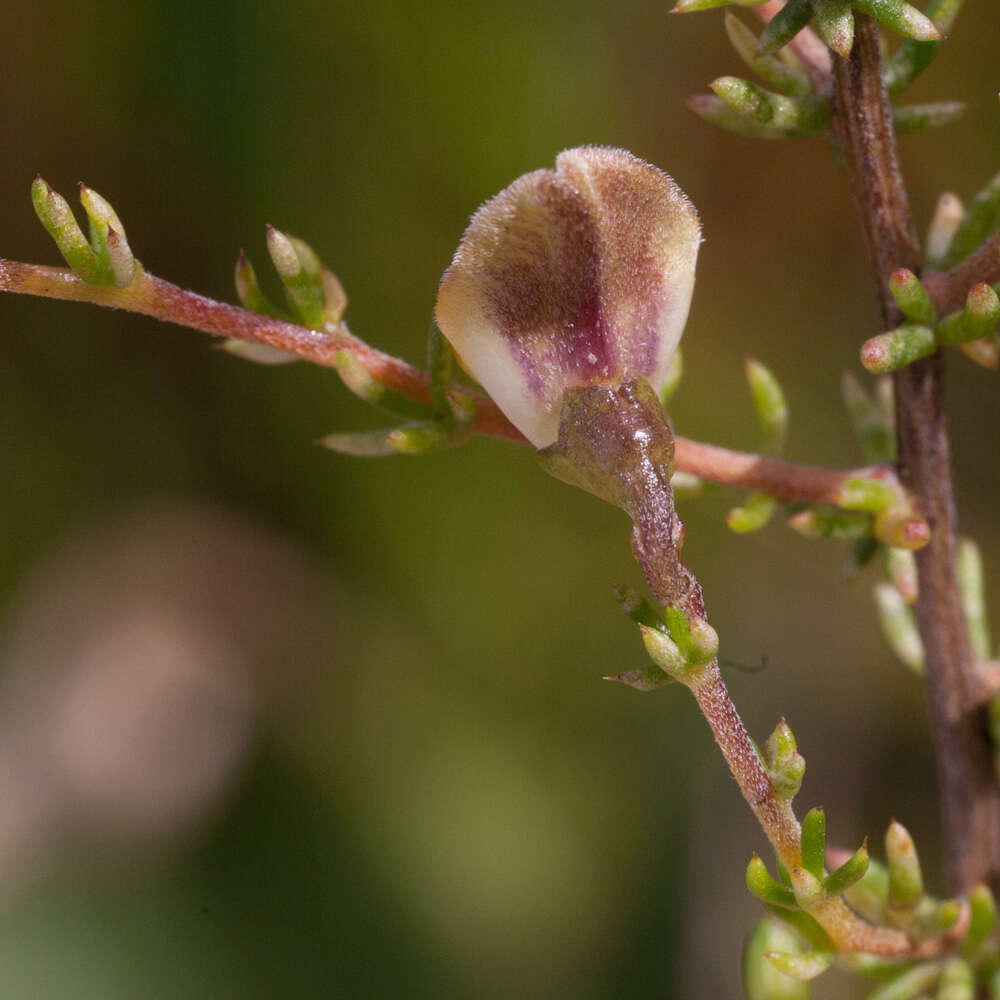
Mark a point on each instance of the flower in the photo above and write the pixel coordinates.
(571, 277)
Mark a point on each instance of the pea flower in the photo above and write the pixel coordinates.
(568, 278)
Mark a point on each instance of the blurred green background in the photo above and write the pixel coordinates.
(275, 722)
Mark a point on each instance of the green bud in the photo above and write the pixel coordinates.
(911, 297)
(873, 423)
(948, 215)
(910, 118)
(977, 319)
(897, 527)
(696, 639)
(910, 984)
(983, 918)
(814, 842)
(663, 651)
(958, 982)
(866, 494)
(901, 565)
(970, 582)
(980, 220)
(785, 25)
(835, 24)
(757, 510)
(841, 525)
(934, 918)
(899, 627)
(888, 352)
(761, 980)
(784, 764)
(781, 71)
(359, 380)
(796, 117)
(906, 883)
(766, 888)
(901, 17)
(334, 297)
(300, 271)
(675, 372)
(55, 215)
(849, 873)
(808, 966)
(107, 236)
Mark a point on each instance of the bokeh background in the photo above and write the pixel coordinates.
(278, 723)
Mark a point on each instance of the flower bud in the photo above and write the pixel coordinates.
(572, 277)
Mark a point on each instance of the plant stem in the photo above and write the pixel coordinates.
(969, 791)
(152, 296)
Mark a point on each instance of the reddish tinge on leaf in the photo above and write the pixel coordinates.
(571, 277)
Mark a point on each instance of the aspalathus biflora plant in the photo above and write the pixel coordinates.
(566, 301)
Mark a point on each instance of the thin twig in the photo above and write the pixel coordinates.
(151, 296)
(948, 289)
(969, 791)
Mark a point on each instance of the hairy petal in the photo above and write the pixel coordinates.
(570, 277)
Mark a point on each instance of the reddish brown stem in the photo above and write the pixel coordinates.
(151, 296)
(948, 289)
(969, 791)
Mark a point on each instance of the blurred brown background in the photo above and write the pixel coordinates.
(275, 722)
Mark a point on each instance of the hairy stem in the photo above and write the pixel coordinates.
(969, 790)
(151, 296)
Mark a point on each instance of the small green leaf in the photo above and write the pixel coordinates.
(664, 652)
(899, 627)
(980, 220)
(911, 297)
(901, 17)
(958, 982)
(866, 494)
(301, 273)
(814, 842)
(249, 291)
(910, 118)
(782, 71)
(761, 980)
(439, 359)
(911, 984)
(796, 117)
(970, 582)
(835, 24)
(107, 236)
(948, 215)
(767, 889)
(983, 919)
(901, 565)
(906, 882)
(756, 511)
(888, 352)
(785, 25)
(849, 873)
(695, 638)
(977, 319)
(769, 404)
(638, 608)
(55, 215)
(873, 422)
(784, 764)
(808, 966)
(831, 523)
(358, 379)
